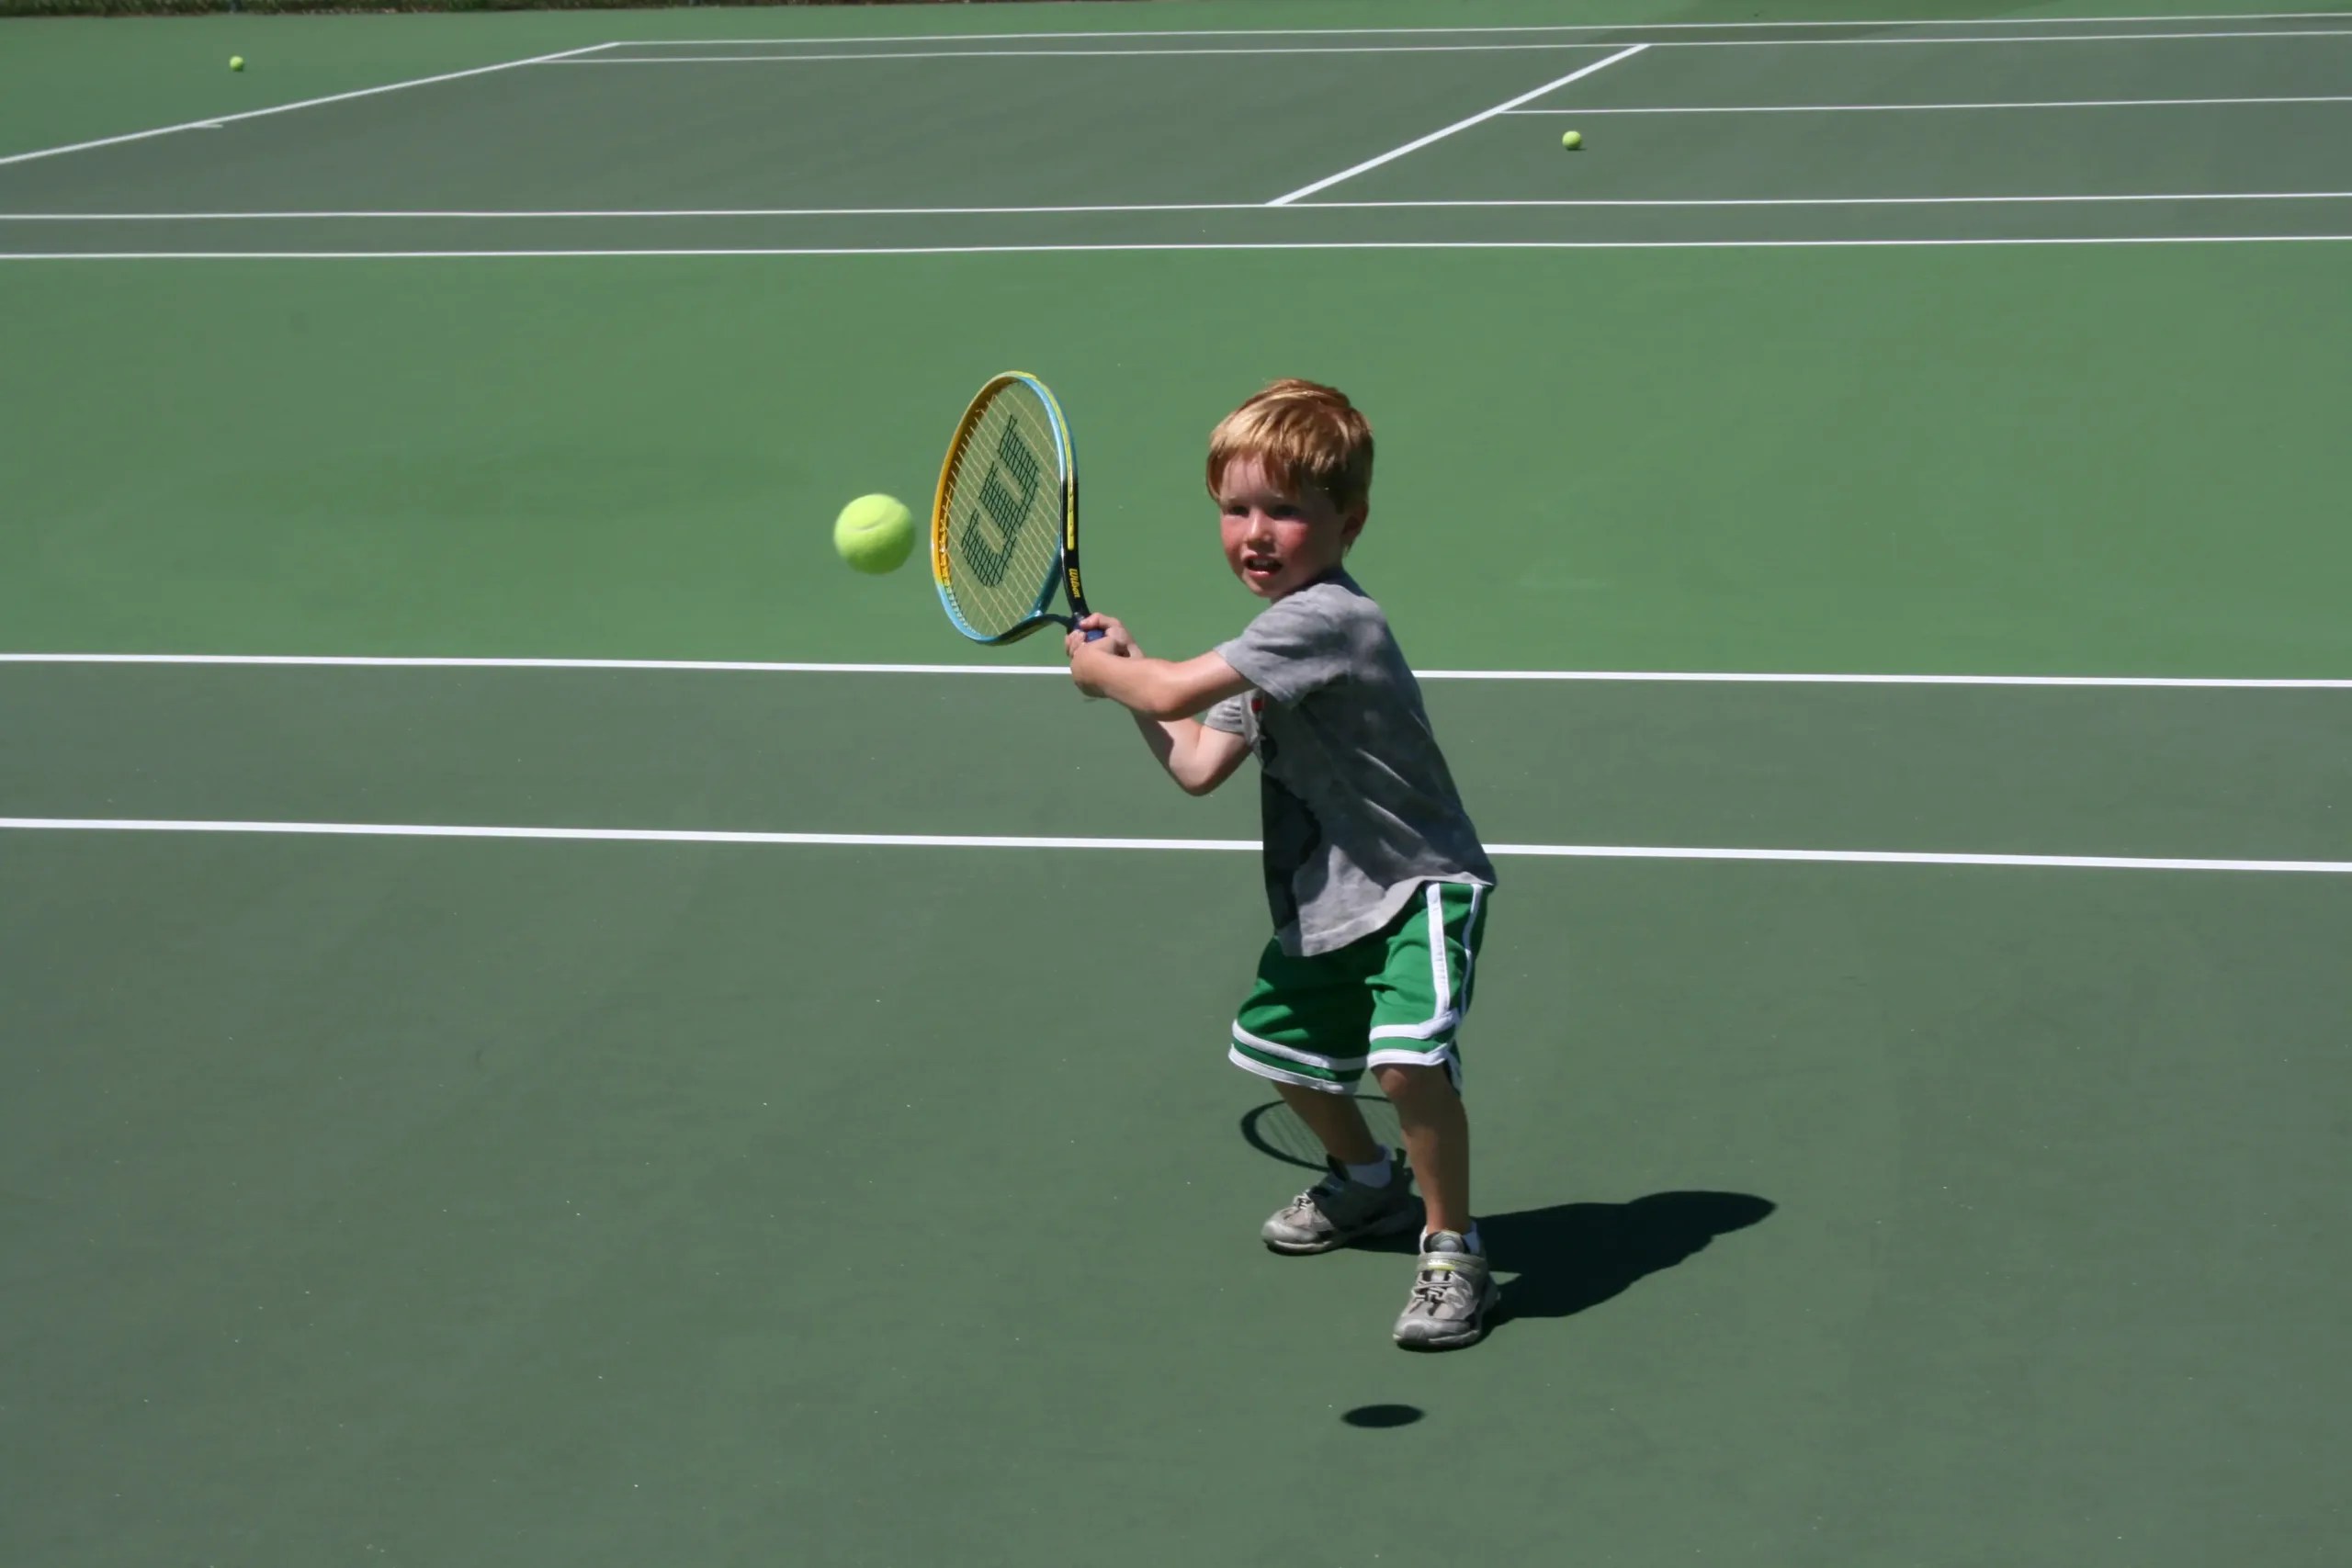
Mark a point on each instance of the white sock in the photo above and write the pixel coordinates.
(1374, 1175)
(1469, 1239)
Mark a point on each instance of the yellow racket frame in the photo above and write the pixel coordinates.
(1063, 573)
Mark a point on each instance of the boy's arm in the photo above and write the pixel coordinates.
(1197, 757)
(1154, 688)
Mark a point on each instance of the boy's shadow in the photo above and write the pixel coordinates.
(1568, 1257)
(1574, 1256)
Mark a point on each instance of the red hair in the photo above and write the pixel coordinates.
(1302, 433)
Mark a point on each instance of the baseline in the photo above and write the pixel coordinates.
(1119, 208)
(809, 59)
(1905, 109)
(768, 667)
(1466, 31)
(664, 253)
(993, 841)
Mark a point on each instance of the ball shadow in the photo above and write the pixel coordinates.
(1378, 1416)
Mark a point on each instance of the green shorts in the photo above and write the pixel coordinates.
(1394, 999)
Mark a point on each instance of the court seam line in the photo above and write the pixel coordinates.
(1130, 247)
(215, 121)
(462, 661)
(1535, 27)
(1436, 136)
(1088, 53)
(1437, 49)
(1498, 203)
(1012, 841)
(1899, 108)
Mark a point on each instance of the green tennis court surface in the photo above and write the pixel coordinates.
(709, 1099)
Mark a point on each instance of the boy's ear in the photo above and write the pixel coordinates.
(1351, 522)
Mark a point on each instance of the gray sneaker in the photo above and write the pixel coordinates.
(1336, 1211)
(1452, 1295)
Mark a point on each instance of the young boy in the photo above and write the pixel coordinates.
(1377, 878)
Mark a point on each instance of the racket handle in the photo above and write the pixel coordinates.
(1095, 635)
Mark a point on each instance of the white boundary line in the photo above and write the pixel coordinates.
(1504, 203)
(1905, 109)
(804, 59)
(679, 252)
(1713, 201)
(994, 842)
(2017, 37)
(217, 121)
(1465, 31)
(763, 667)
(1586, 46)
(1479, 118)
(665, 212)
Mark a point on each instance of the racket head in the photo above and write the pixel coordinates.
(1004, 519)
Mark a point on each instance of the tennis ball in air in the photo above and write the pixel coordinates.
(236, 62)
(1572, 139)
(874, 533)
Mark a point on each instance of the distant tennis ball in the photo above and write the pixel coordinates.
(874, 533)
(1572, 139)
(236, 62)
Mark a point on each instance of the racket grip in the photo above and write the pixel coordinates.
(1095, 635)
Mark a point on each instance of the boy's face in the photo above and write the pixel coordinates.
(1275, 541)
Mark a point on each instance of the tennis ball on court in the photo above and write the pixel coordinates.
(236, 62)
(1572, 139)
(874, 534)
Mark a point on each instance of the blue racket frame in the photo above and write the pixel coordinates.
(1064, 573)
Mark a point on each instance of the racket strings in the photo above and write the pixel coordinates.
(1003, 536)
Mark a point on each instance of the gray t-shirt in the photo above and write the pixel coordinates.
(1359, 807)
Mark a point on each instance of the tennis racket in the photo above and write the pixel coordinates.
(1004, 524)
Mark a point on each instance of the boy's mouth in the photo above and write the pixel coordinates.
(1260, 566)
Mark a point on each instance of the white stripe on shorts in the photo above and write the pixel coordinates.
(1252, 1064)
(1328, 1064)
(1393, 1057)
(1443, 1056)
(1449, 1016)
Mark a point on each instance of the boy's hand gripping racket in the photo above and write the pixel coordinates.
(1004, 524)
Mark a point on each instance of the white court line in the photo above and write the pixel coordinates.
(763, 667)
(1108, 248)
(1540, 27)
(217, 121)
(1839, 200)
(1480, 117)
(1402, 206)
(1087, 54)
(2019, 37)
(995, 841)
(663, 212)
(1903, 109)
(1433, 48)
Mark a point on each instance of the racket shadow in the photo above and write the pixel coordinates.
(1275, 1130)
